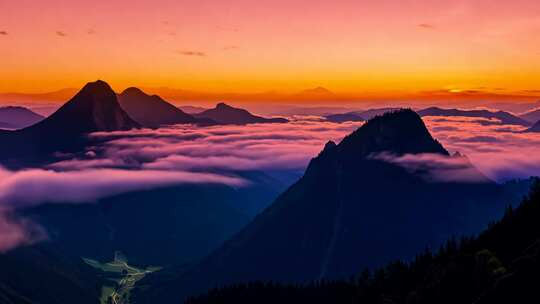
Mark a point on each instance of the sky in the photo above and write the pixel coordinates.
(375, 48)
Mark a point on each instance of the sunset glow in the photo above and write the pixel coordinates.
(356, 48)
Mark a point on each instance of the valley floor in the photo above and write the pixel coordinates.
(120, 278)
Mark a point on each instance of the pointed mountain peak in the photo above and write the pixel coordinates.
(399, 132)
(94, 108)
(329, 145)
(328, 149)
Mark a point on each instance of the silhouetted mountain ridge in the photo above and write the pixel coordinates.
(153, 111)
(225, 114)
(502, 116)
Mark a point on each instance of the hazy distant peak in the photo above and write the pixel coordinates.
(318, 90)
(226, 114)
(133, 91)
(152, 111)
(17, 117)
(223, 105)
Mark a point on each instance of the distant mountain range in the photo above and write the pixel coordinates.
(531, 116)
(504, 117)
(225, 114)
(96, 107)
(358, 115)
(351, 209)
(18, 117)
(501, 116)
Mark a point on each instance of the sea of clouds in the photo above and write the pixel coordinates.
(149, 158)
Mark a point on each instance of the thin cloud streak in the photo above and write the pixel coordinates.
(35, 186)
(192, 53)
(426, 26)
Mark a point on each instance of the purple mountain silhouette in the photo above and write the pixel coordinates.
(225, 114)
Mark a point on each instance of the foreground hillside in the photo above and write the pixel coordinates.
(501, 265)
(41, 274)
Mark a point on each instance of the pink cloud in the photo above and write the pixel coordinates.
(186, 147)
(35, 186)
(436, 167)
(15, 232)
(501, 152)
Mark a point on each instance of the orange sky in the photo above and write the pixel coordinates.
(352, 47)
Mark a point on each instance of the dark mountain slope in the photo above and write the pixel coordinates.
(18, 117)
(152, 111)
(162, 226)
(225, 114)
(94, 108)
(501, 265)
(349, 210)
(41, 274)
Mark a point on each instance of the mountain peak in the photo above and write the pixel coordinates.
(17, 117)
(98, 86)
(319, 91)
(151, 111)
(223, 106)
(133, 91)
(226, 114)
(399, 132)
(94, 108)
(329, 145)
